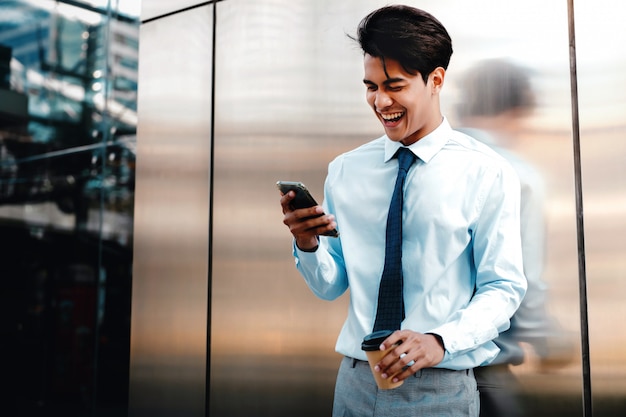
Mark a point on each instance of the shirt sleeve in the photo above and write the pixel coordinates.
(531, 320)
(324, 270)
(324, 273)
(500, 283)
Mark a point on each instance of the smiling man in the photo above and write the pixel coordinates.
(406, 105)
(452, 250)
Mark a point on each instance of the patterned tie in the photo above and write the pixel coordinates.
(390, 311)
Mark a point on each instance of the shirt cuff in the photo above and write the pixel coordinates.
(299, 249)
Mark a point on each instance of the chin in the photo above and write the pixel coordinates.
(394, 137)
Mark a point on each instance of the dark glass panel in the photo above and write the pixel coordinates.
(67, 139)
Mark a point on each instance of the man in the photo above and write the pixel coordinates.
(498, 97)
(460, 243)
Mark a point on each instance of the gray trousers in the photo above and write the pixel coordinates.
(430, 392)
(499, 392)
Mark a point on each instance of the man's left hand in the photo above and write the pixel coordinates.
(414, 351)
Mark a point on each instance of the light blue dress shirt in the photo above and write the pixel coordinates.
(461, 259)
(531, 322)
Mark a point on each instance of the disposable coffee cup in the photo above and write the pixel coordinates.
(371, 346)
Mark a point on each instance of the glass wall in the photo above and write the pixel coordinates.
(290, 98)
(68, 82)
(601, 80)
(233, 96)
(171, 287)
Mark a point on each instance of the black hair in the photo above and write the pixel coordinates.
(413, 37)
(494, 86)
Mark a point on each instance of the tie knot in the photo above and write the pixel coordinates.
(405, 159)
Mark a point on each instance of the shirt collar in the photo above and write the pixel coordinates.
(426, 147)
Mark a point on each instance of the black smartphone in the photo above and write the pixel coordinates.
(303, 198)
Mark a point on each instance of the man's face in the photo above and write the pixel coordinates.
(407, 107)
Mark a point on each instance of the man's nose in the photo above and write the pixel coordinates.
(382, 99)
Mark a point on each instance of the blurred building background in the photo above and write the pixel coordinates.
(145, 269)
(68, 118)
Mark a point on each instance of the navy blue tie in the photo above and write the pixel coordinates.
(390, 312)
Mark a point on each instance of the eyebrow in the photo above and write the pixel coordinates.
(386, 82)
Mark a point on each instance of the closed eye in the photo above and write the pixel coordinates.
(370, 85)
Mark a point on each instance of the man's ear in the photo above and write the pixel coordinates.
(436, 78)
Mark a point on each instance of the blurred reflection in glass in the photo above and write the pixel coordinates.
(497, 97)
(68, 81)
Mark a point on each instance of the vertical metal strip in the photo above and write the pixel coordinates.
(207, 385)
(582, 277)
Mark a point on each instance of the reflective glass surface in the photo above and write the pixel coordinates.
(602, 102)
(289, 97)
(209, 244)
(68, 82)
(169, 342)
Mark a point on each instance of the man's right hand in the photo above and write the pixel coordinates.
(303, 223)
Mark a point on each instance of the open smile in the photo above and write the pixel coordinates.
(392, 117)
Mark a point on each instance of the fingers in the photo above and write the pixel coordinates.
(413, 351)
(399, 365)
(309, 220)
(307, 223)
(285, 201)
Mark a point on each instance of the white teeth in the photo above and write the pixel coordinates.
(391, 116)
